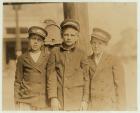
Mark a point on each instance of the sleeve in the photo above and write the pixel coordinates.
(18, 77)
(119, 81)
(51, 76)
(85, 67)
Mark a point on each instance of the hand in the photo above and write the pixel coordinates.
(84, 106)
(55, 104)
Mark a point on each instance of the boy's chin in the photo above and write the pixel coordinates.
(35, 49)
(97, 52)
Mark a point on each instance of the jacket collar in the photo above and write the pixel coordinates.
(101, 64)
(65, 48)
(29, 60)
(98, 58)
(42, 53)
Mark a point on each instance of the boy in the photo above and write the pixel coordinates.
(68, 81)
(30, 78)
(107, 75)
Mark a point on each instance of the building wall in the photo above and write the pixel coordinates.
(33, 14)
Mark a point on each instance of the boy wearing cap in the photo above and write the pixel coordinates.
(30, 78)
(68, 81)
(107, 75)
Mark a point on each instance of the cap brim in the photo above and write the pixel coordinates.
(99, 38)
(38, 35)
(70, 26)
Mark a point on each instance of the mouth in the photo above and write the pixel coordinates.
(68, 41)
(35, 45)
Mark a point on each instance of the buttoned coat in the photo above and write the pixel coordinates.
(67, 77)
(30, 79)
(107, 83)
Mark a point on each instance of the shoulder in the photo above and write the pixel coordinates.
(115, 59)
(45, 50)
(21, 57)
(55, 49)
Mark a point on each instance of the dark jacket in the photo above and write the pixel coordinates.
(30, 79)
(68, 79)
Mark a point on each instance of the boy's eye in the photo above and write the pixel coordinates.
(33, 38)
(65, 34)
(72, 35)
(39, 40)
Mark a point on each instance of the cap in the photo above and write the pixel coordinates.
(100, 34)
(38, 30)
(50, 22)
(70, 23)
(54, 35)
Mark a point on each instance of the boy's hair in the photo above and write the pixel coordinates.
(30, 35)
(66, 27)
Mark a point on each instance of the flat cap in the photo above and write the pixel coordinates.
(100, 34)
(38, 31)
(70, 23)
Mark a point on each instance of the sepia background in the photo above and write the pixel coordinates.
(119, 19)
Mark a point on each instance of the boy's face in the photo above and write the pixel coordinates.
(35, 42)
(70, 36)
(98, 46)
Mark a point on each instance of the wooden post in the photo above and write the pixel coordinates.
(18, 39)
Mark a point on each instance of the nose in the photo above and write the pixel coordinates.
(35, 41)
(95, 45)
(69, 37)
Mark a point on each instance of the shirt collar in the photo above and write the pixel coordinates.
(97, 58)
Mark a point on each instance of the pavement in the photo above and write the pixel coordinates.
(8, 90)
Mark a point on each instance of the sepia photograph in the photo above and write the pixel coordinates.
(69, 56)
